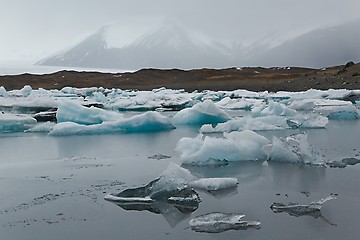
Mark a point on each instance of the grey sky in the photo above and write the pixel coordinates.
(33, 29)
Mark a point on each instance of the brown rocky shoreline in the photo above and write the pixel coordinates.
(249, 78)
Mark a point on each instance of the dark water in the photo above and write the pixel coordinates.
(53, 188)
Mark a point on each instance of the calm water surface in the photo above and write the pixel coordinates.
(53, 188)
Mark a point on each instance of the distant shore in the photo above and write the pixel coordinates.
(249, 78)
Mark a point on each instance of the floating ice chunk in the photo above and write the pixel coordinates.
(235, 146)
(348, 113)
(343, 163)
(15, 122)
(146, 122)
(26, 91)
(238, 103)
(201, 113)
(214, 184)
(294, 149)
(307, 120)
(274, 108)
(3, 92)
(161, 195)
(218, 222)
(297, 210)
(75, 112)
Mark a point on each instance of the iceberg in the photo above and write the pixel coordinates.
(218, 222)
(201, 113)
(348, 113)
(239, 103)
(146, 122)
(75, 112)
(294, 149)
(235, 146)
(274, 109)
(15, 122)
(3, 92)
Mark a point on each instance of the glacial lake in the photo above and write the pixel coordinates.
(53, 187)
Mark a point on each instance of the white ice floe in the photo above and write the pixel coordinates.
(239, 103)
(235, 146)
(201, 113)
(146, 122)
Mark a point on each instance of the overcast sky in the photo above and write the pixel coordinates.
(33, 29)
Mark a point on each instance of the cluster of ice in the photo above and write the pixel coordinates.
(267, 111)
(247, 146)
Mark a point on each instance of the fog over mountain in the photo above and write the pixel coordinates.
(170, 33)
(168, 45)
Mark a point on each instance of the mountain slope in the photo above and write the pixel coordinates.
(320, 48)
(169, 46)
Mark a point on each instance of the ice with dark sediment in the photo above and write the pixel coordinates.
(296, 209)
(174, 185)
(217, 222)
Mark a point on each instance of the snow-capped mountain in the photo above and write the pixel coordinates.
(168, 46)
